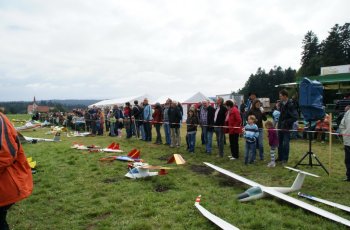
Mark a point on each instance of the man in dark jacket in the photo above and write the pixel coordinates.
(136, 114)
(219, 122)
(288, 116)
(174, 116)
(206, 119)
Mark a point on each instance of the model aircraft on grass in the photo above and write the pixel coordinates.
(28, 126)
(78, 134)
(113, 148)
(336, 205)
(84, 147)
(133, 156)
(141, 170)
(55, 129)
(215, 219)
(258, 191)
(34, 140)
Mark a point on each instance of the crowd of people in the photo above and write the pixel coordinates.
(223, 118)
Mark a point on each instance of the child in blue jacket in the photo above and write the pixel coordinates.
(251, 133)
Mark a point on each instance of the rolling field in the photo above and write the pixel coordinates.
(73, 190)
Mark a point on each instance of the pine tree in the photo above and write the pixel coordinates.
(310, 60)
(332, 49)
(345, 37)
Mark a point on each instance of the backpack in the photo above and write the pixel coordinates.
(311, 100)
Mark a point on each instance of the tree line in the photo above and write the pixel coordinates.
(334, 50)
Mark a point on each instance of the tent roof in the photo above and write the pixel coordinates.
(177, 97)
(198, 97)
(120, 101)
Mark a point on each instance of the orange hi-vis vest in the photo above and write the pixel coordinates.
(16, 182)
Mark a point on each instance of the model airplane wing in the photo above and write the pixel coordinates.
(233, 175)
(306, 206)
(273, 192)
(152, 167)
(112, 150)
(24, 139)
(336, 205)
(215, 219)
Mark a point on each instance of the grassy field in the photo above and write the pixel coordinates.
(73, 190)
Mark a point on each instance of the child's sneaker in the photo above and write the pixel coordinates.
(271, 164)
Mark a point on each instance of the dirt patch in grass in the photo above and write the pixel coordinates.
(165, 157)
(161, 188)
(201, 169)
(226, 181)
(110, 180)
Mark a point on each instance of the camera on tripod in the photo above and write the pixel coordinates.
(311, 106)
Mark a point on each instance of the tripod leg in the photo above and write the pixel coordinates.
(324, 168)
(306, 154)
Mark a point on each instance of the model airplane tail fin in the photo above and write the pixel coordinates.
(198, 199)
(134, 154)
(116, 147)
(111, 146)
(57, 137)
(299, 180)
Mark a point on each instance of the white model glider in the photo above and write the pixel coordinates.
(140, 170)
(215, 219)
(33, 140)
(29, 125)
(258, 191)
(78, 134)
(336, 205)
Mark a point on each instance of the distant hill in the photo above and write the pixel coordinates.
(73, 102)
(15, 107)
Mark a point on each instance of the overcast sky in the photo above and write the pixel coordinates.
(82, 49)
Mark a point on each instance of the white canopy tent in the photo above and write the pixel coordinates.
(194, 99)
(198, 97)
(120, 101)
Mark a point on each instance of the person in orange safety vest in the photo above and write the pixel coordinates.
(16, 182)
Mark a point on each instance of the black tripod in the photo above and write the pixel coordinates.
(311, 154)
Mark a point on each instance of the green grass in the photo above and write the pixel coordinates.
(73, 190)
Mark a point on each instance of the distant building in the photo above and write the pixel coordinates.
(33, 108)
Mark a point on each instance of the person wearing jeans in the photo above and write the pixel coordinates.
(258, 111)
(206, 119)
(219, 122)
(192, 122)
(166, 122)
(287, 117)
